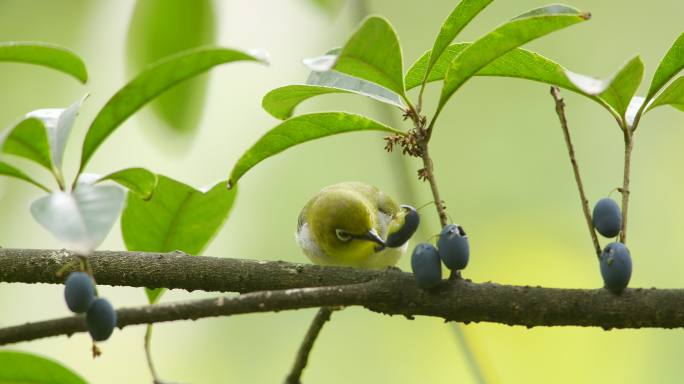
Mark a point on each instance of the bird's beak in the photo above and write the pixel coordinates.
(372, 235)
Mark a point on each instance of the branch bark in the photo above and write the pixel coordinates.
(277, 286)
(175, 270)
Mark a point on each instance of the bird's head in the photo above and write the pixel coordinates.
(345, 224)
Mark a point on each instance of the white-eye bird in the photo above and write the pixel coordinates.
(348, 224)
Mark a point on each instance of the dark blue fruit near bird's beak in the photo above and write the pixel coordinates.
(453, 246)
(411, 221)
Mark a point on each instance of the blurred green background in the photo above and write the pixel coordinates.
(500, 160)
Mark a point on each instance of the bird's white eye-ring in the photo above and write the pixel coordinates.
(342, 235)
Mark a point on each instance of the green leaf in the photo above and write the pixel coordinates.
(153, 295)
(28, 139)
(373, 54)
(46, 55)
(25, 368)
(624, 85)
(524, 28)
(281, 102)
(669, 66)
(153, 34)
(83, 218)
(353, 84)
(150, 83)
(673, 95)
(616, 91)
(177, 217)
(301, 129)
(42, 135)
(11, 171)
(464, 12)
(517, 63)
(137, 180)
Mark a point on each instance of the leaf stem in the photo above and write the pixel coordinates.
(560, 110)
(41, 186)
(412, 111)
(322, 317)
(59, 177)
(419, 105)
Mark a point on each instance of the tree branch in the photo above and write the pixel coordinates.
(264, 301)
(295, 286)
(175, 270)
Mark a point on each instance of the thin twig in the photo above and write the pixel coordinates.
(322, 317)
(430, 176)
(560, 110)
(424, 136)
(403, 174)
(629, 143)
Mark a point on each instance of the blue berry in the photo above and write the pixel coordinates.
(616, 266)
(79, 291)
(607, 217)
(101, 319)
(408, 228)
(426, 266)
(453, 247)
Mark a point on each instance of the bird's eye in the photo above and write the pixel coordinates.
(342, 235)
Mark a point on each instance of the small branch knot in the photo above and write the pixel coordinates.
(408, 143)
(423, 174)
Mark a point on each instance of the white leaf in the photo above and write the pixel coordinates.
(321, 63)
(588, 85)
(81, 219)
(260, 54)
(339, 80)
(58, 123)
(88, 178)
(633, 108)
